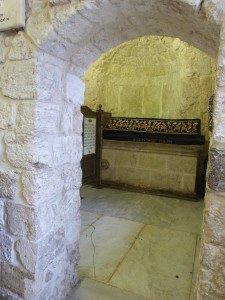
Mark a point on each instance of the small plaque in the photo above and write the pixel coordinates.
(89, 135)
(12, 14)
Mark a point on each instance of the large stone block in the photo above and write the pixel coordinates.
(72, 231)
(2, 213)
(214, 219)
(8, 184)
(5, 294)
(6, 247)
(216, 176)
(38, 117)
(6, 115)
(49, 80)
(45, 185)
(21, 48)
(67, 150)
(27, 152)
(14, 279)
(71, 177)
(212, 271)
(71, 120)
(153, 161)
(69, 205)
(74, 90)
(18, 80)
(51, 247)
(27, 253)
(22, 220)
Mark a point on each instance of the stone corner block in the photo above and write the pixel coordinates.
(27, 253)
(74, 90)
(21, 48)
(216, 176)
(5, 294)
(15, 279)
(8, 184)
(6, 247)
(22, 220)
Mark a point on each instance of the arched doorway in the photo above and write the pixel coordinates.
(42, 142)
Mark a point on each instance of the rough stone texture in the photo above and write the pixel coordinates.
(18, 79)
(72, 177)
(27, 253)
(72, 153)
(26, 152)
(49, 79)
(14, 279)
(22, 220)
(214, 219)
(56, 242)
(212, 273)
(21, 48)
(74, 90)
(181, 87)
(216, 176)
(8, 184)
(57, 2)
(66, 38)
(6, 245)
(6, 115)
(39, 186)
(2, 212)
(8, 295)
(40, 117)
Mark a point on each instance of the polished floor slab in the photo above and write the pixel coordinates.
(148, 209)
(104, 245)
(94, 290)
(160, 264)
(142, 244)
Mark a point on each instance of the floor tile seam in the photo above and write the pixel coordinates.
(91, 225)
(128, 251)
(139, 222)
(195, 258)
(177, 230)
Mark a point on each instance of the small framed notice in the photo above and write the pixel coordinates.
(89, 136)
(12, 14)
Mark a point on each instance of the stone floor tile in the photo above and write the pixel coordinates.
(103, 246)
(94, 290)
(159, 265)
(188, 217)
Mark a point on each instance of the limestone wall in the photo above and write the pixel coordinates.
(40, 177)
(153, 77)
(40, 133)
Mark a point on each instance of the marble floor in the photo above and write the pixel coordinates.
(141, 244)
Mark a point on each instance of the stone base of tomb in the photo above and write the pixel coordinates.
(162, 169)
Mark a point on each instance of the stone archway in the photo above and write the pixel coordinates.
(41, 145)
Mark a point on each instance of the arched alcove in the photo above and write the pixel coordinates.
(42, 146)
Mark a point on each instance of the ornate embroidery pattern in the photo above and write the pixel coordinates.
(170, 126)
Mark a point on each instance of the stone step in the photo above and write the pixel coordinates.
(95, 290)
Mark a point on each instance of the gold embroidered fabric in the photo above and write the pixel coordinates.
(169, 126)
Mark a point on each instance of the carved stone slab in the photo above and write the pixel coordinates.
(12, 14)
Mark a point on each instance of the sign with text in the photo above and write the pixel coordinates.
(12, 14)
(89, 135)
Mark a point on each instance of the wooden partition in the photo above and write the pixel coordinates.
(93, 125)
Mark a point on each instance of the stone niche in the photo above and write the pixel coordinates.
(161, 168)
(153, 77)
